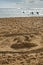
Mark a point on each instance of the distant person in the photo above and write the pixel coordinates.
(23, 12)
(32, 13)
(37, 12)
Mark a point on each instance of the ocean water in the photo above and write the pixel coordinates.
(20, 12)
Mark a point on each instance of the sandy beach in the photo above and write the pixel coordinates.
(21, 41)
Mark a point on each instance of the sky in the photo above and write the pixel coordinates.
(21, 3)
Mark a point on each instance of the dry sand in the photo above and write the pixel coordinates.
(21, 41)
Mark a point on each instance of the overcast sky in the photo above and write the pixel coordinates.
(21, 3)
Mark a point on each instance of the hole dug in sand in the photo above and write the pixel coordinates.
(23, 45)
